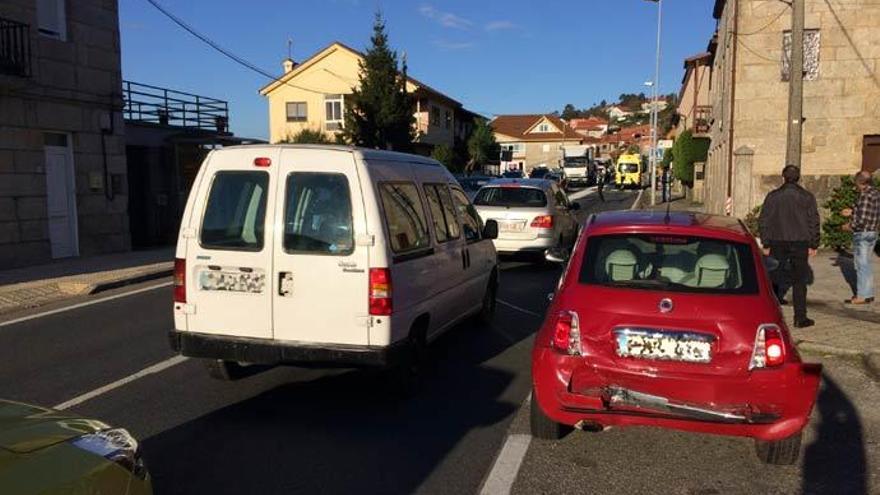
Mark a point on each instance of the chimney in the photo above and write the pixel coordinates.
(288, 65)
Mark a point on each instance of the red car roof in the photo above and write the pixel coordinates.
(683, 222)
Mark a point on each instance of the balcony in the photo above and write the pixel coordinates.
(702, 120)
(15, 48)
(167, 107)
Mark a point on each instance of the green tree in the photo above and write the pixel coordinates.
(379, 111)
(569, 112)
(667, 158)
(482, 146)
(443, 154)
(307, 136)
(685, 152)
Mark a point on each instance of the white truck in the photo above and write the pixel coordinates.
(577, 166)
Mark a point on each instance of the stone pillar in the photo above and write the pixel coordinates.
(743, 158)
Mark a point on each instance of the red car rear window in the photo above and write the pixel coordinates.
(670, 263)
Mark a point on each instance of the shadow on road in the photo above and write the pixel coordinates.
(836, 462)
(346, 432)
(847, 269)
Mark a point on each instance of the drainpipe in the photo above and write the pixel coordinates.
(735, 5)
(106, 129)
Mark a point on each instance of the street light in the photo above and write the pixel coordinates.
(654, 118)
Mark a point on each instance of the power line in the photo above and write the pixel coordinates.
(222, 50)
(784, 10)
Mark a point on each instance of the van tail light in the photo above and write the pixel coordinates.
(380, 292)
(179, 280)
(262, 162)
(567, 333)
(769, 347)
(543, 222)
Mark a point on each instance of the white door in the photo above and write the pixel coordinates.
(321, 275)
(480, 255)
(61, 201)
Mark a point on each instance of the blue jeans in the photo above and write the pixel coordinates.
(863, 251)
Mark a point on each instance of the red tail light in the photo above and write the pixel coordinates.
(567, 333)
(380, 292)
(262, 162)
(543, 222)
(179, 280)
(769, 347)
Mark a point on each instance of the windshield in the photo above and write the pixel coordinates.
(669, 263)
(511, 196)
(628, 168)
(576, 163)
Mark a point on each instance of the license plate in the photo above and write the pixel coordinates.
(664, 345)
(517, 226)
(232, 280)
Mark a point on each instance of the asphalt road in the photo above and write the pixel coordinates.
(292, 430)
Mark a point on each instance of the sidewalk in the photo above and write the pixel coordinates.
(29, 287)
(840, 329)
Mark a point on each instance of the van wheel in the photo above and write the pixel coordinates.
(542, 426)
(781, 452)
(408, 376)
(487, 312)
(224, 370)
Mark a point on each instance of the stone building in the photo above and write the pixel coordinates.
(749, 97)
(62, 153)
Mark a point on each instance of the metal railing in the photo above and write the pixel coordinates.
(15, 48)
(702, 119)
(167, 107)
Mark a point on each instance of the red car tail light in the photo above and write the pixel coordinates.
(769, 347)
(262, 162)
(380, 291)
(567, 333)
(543, 222)
(179, 280)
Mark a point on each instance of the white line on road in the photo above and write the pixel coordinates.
(83, 304)
(522, 310)
(583, 193)
(638, 200)
(156, 368)
(507, 465)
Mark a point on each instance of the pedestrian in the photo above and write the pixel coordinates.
(864, 222)
(600, 185)
(789, 229)
(664, 183)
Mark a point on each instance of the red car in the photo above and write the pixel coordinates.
(669, 320)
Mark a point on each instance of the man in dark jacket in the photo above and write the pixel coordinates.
(789, 229)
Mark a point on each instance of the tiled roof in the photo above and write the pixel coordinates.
(587, 123)
(516, 126)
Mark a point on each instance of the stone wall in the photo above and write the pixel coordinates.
(74, 89)
(840, 107)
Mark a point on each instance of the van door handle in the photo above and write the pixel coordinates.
(285, 284)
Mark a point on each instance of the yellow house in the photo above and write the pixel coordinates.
(311, 95)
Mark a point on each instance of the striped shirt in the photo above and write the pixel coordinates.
(866, 214)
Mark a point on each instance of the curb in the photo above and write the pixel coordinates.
(820, 348)
(136, 279)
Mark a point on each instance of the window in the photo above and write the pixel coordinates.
(670, 263)
(333, 105)
(518, 149)
(236, 211)
(297, 111)
(442, 212)
(470, 219)
(52, 19)
(404, 217)
(435, 116)
(317, 214)
(511, 196)
(543, 128)
(811, 55)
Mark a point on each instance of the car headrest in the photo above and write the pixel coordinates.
(712, 270)
(621, 265)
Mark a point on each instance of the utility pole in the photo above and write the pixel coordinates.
(654, 116)
(796, 86)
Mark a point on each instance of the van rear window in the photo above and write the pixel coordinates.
(236, 211)
(317, 215)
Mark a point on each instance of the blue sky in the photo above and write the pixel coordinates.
(495, 56)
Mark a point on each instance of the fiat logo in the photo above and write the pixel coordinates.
(665, 305)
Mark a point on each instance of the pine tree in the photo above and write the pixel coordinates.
(482, 146)
(379, 111)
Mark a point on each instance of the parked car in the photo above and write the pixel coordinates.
(512, 174)
(472, 184)
(44, 451)
(326, 256)
(538, 172)
(669, 320)
(533, 215)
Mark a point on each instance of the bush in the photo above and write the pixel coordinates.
(685, 151)
(843, 196)
(751, 220)
(443, 154)
(308, 136)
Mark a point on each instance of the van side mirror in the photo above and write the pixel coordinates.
(490, 230)
(557, 255)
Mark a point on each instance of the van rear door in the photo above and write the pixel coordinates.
(321, 276)
(228, 258)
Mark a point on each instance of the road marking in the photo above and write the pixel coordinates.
(507, 465)
(83, 304)
(156, 368)
(583, 193)
(521, 310)
(638, 200)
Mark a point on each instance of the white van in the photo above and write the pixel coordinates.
(326, 256)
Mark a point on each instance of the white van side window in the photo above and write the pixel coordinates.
(317, 214)
(236, 211)
(442, 212)
(405, 217)
(470, 219)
